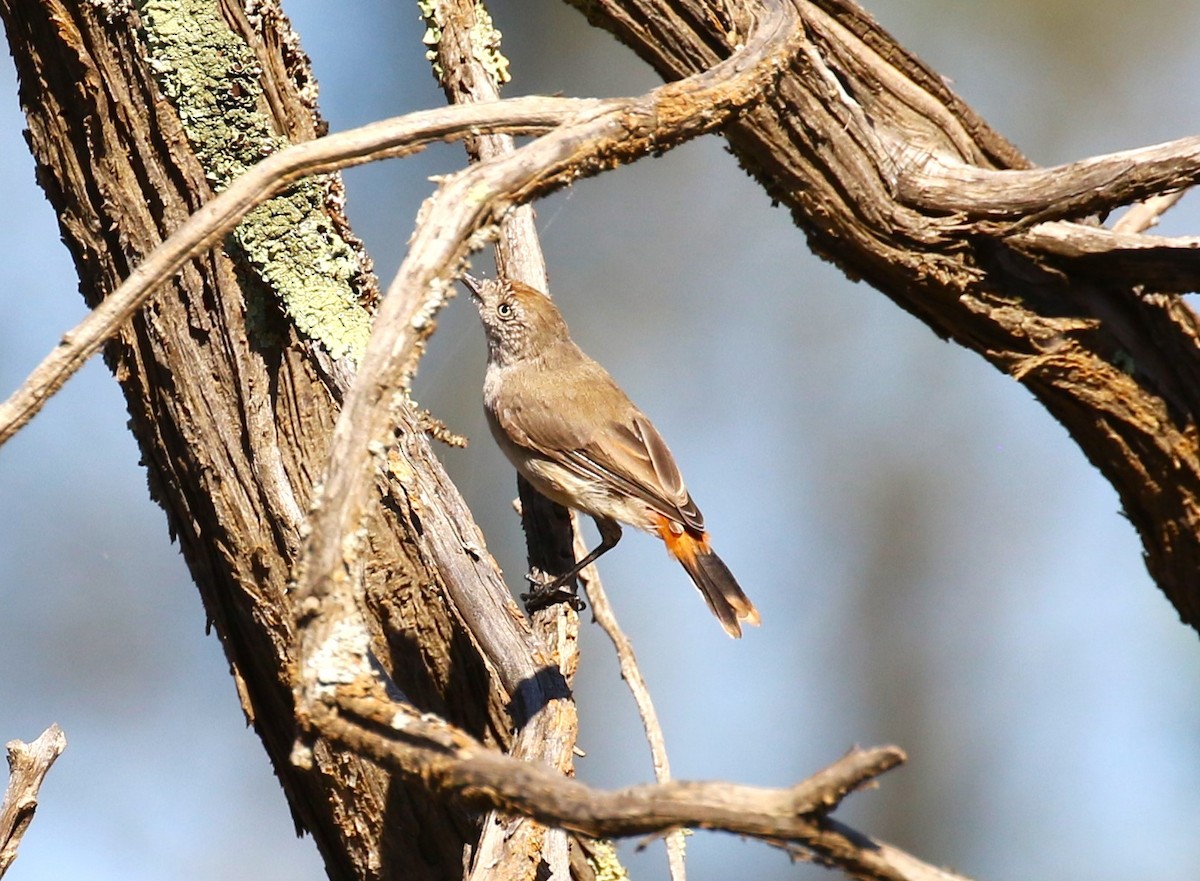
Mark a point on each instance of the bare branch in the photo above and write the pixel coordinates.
(1089, 186)
(1157, 263)
(28, 764)
(1143, 215)
(392, 138)
(632, 674)
(451, 763)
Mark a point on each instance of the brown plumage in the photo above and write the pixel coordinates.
(577, 438)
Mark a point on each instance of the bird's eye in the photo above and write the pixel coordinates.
(505, 310)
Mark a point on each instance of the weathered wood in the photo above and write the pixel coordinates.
(28, 764)
(844, 143)
(233, 410)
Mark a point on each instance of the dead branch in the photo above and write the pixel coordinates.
(513, 847)
(451, 764)
(896, 179)
(392, 138)
(1147, 262)
(945, 185)
(632, 674)
(1141, 216)
(28, 764)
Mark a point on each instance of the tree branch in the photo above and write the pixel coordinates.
(1152, 263)
(422, 749)
(847, 142)
(450, 763)
(944, 185)
(28, 764)
(513, 848)
(1146, 214)
(632, 674)
(204, 229)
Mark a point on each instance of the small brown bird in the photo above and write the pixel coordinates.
(574, 435)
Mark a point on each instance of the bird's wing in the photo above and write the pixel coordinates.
(606, 438)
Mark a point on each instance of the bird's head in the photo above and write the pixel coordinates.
(520, 322)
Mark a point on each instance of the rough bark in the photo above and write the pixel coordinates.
(233, 410)
(896, 180)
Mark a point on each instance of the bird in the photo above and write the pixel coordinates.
(569, 429)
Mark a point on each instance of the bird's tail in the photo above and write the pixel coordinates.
(712, 577)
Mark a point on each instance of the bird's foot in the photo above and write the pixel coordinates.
(546, 590)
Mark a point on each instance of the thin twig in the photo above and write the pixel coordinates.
(632, 674)
(28, 764)
(1143, 215)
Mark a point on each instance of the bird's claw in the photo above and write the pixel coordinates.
(546, 591)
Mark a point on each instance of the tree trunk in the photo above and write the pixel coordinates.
(134, 119)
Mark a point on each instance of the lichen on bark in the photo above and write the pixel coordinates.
(211, 77)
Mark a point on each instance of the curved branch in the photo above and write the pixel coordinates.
(945, 185)
(388, 139)
(452, 764)
(1117, 365)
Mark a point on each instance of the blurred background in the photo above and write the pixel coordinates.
(936, 564)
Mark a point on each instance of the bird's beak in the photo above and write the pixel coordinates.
(473, 284)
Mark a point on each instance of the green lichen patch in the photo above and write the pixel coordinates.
(485, 41)
(432, 38)
(485, 46)
(212, 78)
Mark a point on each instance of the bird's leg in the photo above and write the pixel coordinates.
(546, 593)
